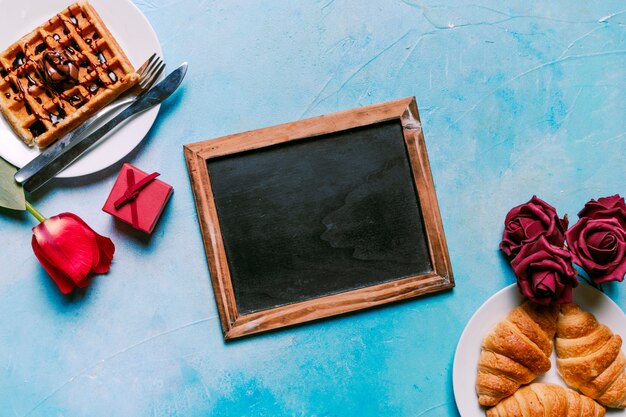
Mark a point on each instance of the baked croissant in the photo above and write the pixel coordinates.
(515, 351)
(546, 400)
(590, 357)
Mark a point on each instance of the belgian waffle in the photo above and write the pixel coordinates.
(55, 77)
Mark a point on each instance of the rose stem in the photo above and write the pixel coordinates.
(590, 282)
(32, 210)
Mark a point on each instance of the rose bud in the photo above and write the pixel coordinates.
(545, 273)
(527, 222)
(598, 240)
(69, 250)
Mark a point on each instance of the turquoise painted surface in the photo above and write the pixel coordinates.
(517, 98)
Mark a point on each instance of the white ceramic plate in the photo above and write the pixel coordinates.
(138, 40)
(494, 310)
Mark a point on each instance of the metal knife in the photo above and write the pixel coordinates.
(68, 154)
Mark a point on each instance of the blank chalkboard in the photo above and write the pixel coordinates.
(318, 217)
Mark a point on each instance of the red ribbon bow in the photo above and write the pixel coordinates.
(132, 192)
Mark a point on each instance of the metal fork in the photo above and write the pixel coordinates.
(149, 72)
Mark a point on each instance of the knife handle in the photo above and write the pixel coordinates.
(51, 152)
(60, 161)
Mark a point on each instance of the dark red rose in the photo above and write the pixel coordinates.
(545, 273)
(598, 240)
(526, 223)
(606, 208)
(69, 250)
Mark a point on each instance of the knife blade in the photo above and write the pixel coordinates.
(55, 149)
(71, 152)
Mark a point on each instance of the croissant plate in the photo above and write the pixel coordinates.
(515, 351)
(590, 357)
(546, 400)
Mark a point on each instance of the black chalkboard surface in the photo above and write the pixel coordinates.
(318, 217)
(306, 219)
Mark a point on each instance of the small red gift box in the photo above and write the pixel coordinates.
(138, 198)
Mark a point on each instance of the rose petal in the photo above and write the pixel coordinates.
(106, 249)
(531, 227)
(544, 283)
(544, 272)
(71, 217)
(67, 245)
(525, 289)
(566, 296)
(616, 272)
(64, 283)
(589, 237)
(602, 246)
(525, 223)
(83, 283)
(105, 246)
(594, 207)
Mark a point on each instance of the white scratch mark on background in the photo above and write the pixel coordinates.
(324, 7)
(575, 41)
(537, 68)
(605, 18)
(428, 410)
(614, 138)
(412, 49)
(355, 73)
(114, 355)
(610, 16)
(568, 111)
(315, 100)
(426, 9)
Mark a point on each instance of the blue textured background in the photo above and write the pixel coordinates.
(517, 98)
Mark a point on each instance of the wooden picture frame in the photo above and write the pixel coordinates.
(236, 324)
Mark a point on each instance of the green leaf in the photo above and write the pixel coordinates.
(11, 193)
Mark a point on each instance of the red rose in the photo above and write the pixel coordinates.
(606, 207)
(598, 240)
(69, 250)
(526, 223)
(545, 273)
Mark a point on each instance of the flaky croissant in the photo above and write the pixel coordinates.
(515, 351)
(590, 357)
(546, 400)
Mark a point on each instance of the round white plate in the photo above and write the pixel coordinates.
(136, 37)
(494, 310)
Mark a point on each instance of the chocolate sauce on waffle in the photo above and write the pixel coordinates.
(59, 69)
(56, 118)
(37, 128)
(60, 72)
(40, 48)
(19, 60)
(31, 82)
